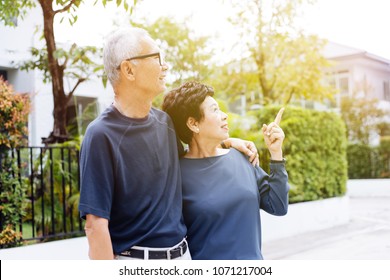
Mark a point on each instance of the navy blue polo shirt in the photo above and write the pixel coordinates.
(130, 175)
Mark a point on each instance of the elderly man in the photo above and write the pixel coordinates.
(131, 193)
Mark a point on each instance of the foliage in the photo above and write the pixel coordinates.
(57, 63)
(384, 155)
(14, 109)
(366, 162)
(11, 10)
(234, 79)
(79, 63)
(362, 116)
(187, 55)
(9, 237)
(53, 179)
(315, 148)
(12, 201)
(286, 63)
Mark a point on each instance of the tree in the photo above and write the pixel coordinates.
(57, 63)
(362, 117)
(188, 55)
(287, 63)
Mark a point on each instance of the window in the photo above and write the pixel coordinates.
(4, 75)
(80, 112)
(340, 81)
(344, 85)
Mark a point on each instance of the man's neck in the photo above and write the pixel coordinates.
(133, 107)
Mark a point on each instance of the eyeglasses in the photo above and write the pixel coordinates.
(157, 54)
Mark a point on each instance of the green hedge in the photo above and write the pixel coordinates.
(315, 148)
(365, 162)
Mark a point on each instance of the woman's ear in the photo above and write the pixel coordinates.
(192, 124)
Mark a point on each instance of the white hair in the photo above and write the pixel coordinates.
(120, 45)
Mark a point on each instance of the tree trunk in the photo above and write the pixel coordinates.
(59, 133)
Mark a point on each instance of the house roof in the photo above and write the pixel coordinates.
(335, 51)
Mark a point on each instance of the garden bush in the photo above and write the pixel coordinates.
(14, 109)
(367, 162)
(315, 149)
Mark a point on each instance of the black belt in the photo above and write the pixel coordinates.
(173, 253)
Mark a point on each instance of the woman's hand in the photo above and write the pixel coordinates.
(274, 136)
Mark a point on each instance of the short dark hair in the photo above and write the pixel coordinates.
(184, 102)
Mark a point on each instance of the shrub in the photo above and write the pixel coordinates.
(366, 162)
(14, 111)
(315, 148)
(384, 157)
(359, 161)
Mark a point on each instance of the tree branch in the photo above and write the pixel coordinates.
(66, 8)
(290, 95)
(70, 52)
(79, 81)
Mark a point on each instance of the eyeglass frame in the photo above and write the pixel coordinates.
(143, 57)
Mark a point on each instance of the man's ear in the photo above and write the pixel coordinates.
(193, 125)
(127, 70)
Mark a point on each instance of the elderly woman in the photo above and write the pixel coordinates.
(222, 191)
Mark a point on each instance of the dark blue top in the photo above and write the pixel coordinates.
(222, 196)
(130, 175)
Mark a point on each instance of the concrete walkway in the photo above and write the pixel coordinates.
(365, 236)
(69, 249)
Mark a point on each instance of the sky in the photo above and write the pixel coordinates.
(362, 24)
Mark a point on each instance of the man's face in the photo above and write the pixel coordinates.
(149, 74)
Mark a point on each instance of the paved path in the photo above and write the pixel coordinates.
(366, 236)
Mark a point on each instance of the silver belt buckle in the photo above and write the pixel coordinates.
(168, 254)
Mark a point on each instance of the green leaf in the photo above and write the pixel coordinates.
(98, 68)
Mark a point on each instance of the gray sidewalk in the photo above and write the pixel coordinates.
(365, 236)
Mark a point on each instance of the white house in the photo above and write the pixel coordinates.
(357, 72)
(361, 74)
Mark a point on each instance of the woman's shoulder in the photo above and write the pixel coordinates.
(237, 154)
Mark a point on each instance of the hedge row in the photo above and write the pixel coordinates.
(366, 162)
(315, 149)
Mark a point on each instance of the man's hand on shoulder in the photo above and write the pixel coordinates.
(246, 147)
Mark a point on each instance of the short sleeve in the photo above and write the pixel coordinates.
(96, 174)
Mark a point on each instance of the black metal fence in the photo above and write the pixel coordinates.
(50, 176)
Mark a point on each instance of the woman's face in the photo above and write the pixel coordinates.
(214, 125)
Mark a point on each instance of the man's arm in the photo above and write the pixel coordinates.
(99, 240)
(246, 147)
